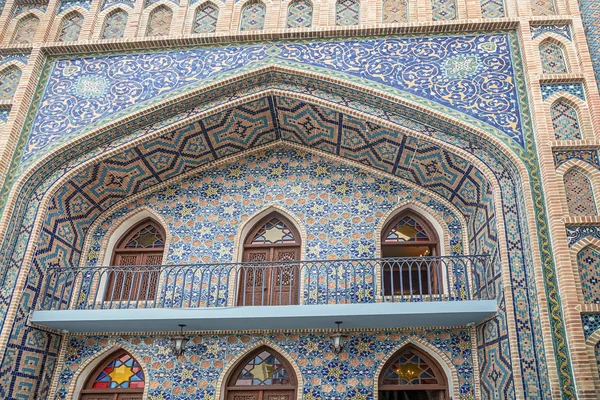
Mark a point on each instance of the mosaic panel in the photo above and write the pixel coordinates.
(553, 58)
(159, 22)
(71, 27)
(588, 263)
(253, 16)
(25, 30)
(561, 30)
(347, 12)
(589, 156)
(299, 14)
(444, 10)
(4, 115)
(114, 28)
(543, 7)
(394, 11)
(64, 5)
(492, 9)
(577, 232)
(580, 195)
(575, 89)
(590, 13)
(108, 3)
(565, 121)
(19, 57)
(205, 19)
(325, 375)
(591, 323)
(9, 81)
(24, 7)
(148, 3)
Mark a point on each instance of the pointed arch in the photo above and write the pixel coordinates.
(347, 12)
(444, 10)
(70, 27)
(114, 24)
(205, 18)
(253, 16)
(588, 266)
(159, 21)
(565, 120)
(299, 14)
(9, 81)
(493, 9)
(394, 11)
(26, 29)
(579, 193)
(552, 54)
(543, 7)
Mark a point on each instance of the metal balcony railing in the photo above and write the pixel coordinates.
(419, 279)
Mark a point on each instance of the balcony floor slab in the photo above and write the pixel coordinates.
(362, 315)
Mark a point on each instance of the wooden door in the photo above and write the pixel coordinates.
(285, 278)
(134, 285)
(261, 395)
(244, 395)
(278, 395)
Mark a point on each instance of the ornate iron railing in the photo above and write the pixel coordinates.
(274, 283)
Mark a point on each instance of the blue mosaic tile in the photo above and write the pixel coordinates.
(562, 30)
(577, 232)
(20, 57)
(591, 323)
(66, 4)
(590, 14)
(576, 89)
(109, 3)
(4, 115)
(589, 156)
(22, 8)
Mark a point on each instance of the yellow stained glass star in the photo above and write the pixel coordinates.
(262, 371)
(147, 239)
(120, 374)
(273, 234)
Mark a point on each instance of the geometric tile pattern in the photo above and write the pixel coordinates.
(553, 59)
(66, 4)
(590, 14)
(543, 7)
(299, 14)
(597, 354)
(253, 16)
(395, 11)
(492, 9)
(115, 24)
(148, 3)
(71, 26)
(20, 57)
(565, 121)
(23, 7)
(444, 10)
(588, 262)
(4, 115)
(591, 323)
(159, 22)
(580, 195)
(9, 80)
(205, 20)
(108, 3)
(576, 89)
(589, 156)
(25, 30)
(561, 30)
(347, 12)
(576, 233)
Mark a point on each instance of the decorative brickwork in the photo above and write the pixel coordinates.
(543, 7)
(115, 24)
(565, 121)
(347, 12)
(588, 262)
(553, 58)
(253, 16)
(9, 80)
(561, 30)
(444, 10)
(395, 11)
(26, 29)
(205, 19)
(492, 9)
(159, 22)
(580, 195)
(71, 27)
(300, 14)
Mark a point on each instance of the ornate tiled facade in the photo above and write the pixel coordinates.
(588, 261)
(71, 27)
(580, 194)
(565, 121)
(9, 79)
(553, 58)
(395, 11)
(549, 89)
(300, 14)
(114, 25)
(205, 19)
(159, 24)
(444, 10)
(543, 7)
(493, 9)
(347, 12)
(26, 29)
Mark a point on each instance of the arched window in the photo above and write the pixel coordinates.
(394, 11)
(553, 58)
(543, 7)
(263, 375)
(118, 377)
(71, 27)
(492, 9)
(140, 247)
(580, 195)
(405, 240)
(443, 10)
(159, 22)
(205, 19)
(412, 374)
(26, 29)
(347, 12)
(253, 16)
(114, 25)
(273, 238)
(588, 263)
(299, 14)
(9, 80)
(565, 121)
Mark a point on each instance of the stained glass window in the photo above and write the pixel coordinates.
(123, 372)
(263, 369)
(146, 238)
(409, 369)
(407, 230)
(275, 231)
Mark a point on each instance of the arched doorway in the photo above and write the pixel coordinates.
(262, 375)
(405, 240)
(272, 280)
(142, 247)
(118, 377)
(410, 374)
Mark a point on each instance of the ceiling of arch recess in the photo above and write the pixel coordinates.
(472, 74)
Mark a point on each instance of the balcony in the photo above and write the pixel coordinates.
(390, 292)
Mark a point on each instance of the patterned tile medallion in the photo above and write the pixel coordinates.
(549, 89)
(64, 5)
(591, 323)
(561, 30)
(577, 232)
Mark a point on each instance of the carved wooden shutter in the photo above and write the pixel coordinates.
(253, 286)
(243, 395)
(285, 279)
